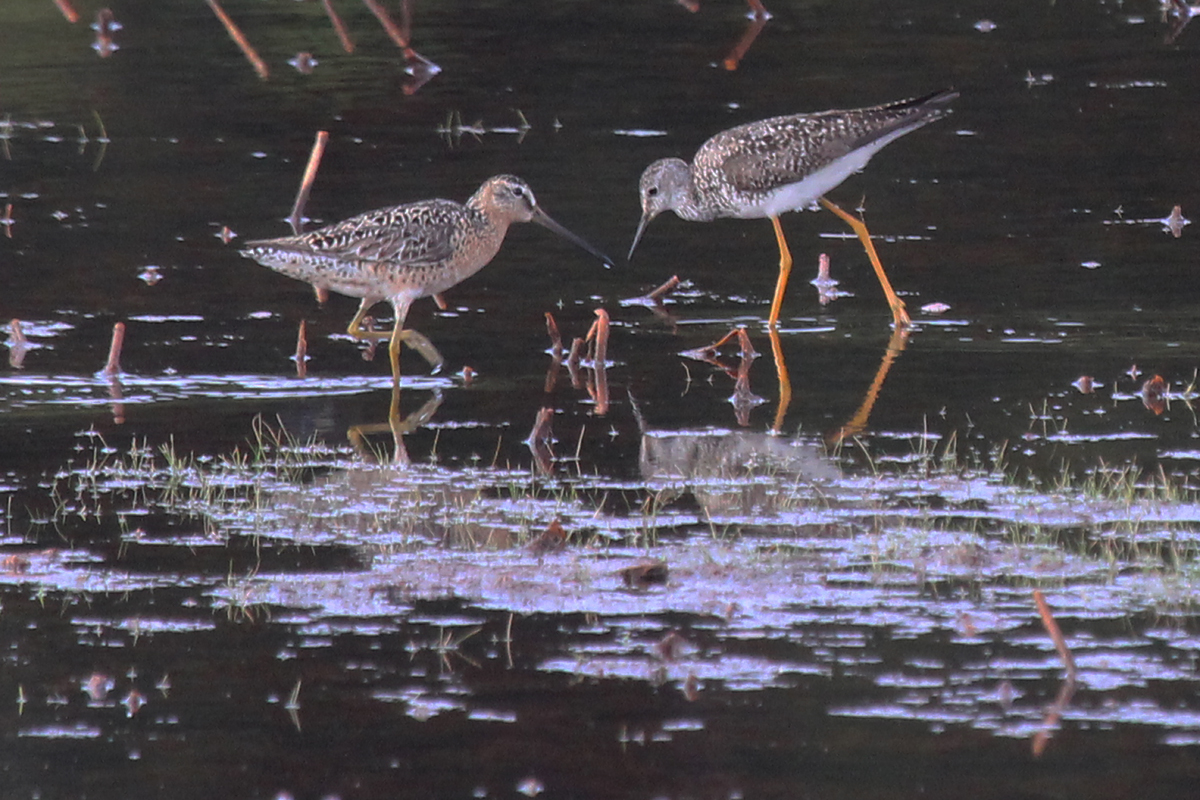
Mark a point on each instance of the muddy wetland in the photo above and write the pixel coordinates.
(834, 557)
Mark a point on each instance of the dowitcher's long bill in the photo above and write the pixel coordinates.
(765, 168)
(407, 252)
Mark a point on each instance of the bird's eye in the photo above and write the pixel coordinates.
(518, 191)
(652, 191)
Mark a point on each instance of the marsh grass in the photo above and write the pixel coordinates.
(940, 511)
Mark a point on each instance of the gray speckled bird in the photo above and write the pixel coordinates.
(764, 168)
(407, 252)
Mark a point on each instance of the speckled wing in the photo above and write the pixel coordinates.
(780, 151)
(763, 156)
(412, 234)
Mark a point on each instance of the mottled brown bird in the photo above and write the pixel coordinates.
(407, 252)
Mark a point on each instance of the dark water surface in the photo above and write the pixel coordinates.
(194, 604)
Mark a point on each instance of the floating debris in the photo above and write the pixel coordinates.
(1085, 384)
(551, 540)
(1154, 395)
(934, 308)
(827, 290)
(104, 26)
(1032, 80)
(14, 564)
(1175, 222)
(1181, 14)
(133, 702)
(646, 573)
(97, 686)
(670, 647)
(303, 62)
(150, 275)
(530, 786)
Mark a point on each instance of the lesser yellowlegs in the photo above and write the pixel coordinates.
(765, 168)
(407, 252)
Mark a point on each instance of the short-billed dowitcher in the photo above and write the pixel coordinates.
(407, 252)
(765, 168)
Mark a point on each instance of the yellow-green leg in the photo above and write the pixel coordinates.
(399, 334)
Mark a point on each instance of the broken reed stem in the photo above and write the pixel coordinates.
(393, 30)
(68, 12)
(555, 336)
(748, 351)
(598, 389)
(113, 367)
(1055, 633)
(18, 345)
(302, 350)
(600, 330)
(240, 39)
(600, 361)
(104, 23)
(758, 21)
(576, 353)
(541, 433)
(508, 640)
(339, 27)
(18, 335)
(658, 294)
(573, 359)
(406, 19)
(310, 175)
(556, 353)
(711, 350)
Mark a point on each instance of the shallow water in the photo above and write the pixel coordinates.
(193, 603)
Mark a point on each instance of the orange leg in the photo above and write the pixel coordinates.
(785, 269)
(899, 315)
(785, 383)
(857, 423)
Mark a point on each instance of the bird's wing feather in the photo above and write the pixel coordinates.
(762, 156)
(769, 157)
(412, 234)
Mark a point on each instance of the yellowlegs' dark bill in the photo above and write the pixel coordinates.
(407, 252)
(765, 168)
